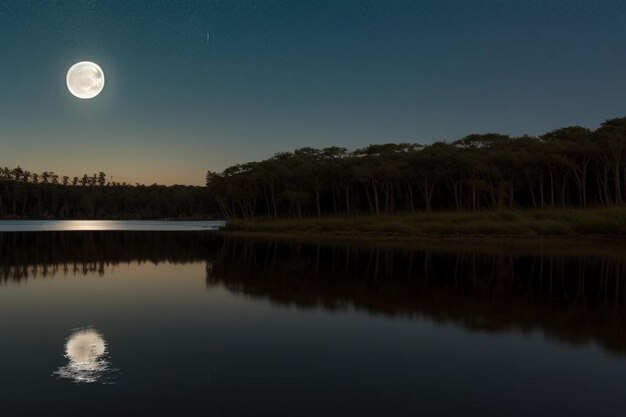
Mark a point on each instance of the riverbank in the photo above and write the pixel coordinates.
(609, 221)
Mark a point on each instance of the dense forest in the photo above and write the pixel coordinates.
(27, 195)
(568, 167)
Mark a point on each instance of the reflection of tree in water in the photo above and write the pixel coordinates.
(32, 255)
(574, 297)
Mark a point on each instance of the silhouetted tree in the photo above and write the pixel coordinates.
(572, 166)
(43, 196)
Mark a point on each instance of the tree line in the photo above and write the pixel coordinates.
(28, 195)
(568, 167)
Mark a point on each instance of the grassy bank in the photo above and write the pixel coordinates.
(548, 222)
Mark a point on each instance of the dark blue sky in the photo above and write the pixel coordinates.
(277, 75)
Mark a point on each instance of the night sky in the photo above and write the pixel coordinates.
(198, 85)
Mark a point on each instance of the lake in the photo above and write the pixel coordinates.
(165, 323)
(98, 225)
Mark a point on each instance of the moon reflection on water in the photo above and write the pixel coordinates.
(86, 352)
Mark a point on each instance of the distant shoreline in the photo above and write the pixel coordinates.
(592, 223)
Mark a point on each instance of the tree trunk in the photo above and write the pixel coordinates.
(563, 189)
(369, 199)
(409, 197)
(267, 204)
(532, 191)
(551, 187)
(376, 205)
(274, 202)
(457, 197)
(617, 180)
(474, 197)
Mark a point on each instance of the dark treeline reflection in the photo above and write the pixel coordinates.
(30, 255)
(575, 297)
(574, 294)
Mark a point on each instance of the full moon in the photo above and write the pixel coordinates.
(85, 79)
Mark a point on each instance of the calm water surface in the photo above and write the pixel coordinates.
(189, 324)
(93, 225)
